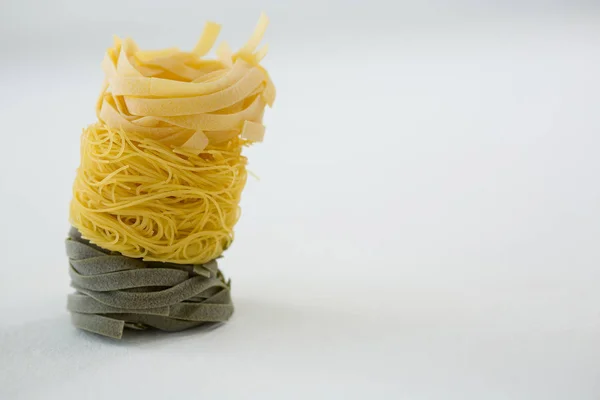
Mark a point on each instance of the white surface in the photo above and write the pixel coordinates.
(426, 226)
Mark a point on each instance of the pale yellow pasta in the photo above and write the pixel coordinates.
(178, 97)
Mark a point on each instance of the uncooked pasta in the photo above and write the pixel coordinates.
(162, 170)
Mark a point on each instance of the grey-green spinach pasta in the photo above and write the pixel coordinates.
(114, 292)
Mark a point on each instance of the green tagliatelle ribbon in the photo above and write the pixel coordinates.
(115, 292)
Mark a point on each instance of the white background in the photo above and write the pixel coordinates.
(426, 225)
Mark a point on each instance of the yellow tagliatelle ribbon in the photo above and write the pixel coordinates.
(162, 172)
(183, 100)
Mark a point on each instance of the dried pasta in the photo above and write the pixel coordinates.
(162, 170)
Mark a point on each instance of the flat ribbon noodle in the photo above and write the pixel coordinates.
(167, 84)
(114, 292)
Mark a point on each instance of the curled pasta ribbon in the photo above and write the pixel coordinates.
(114, 292)
(182, 99)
